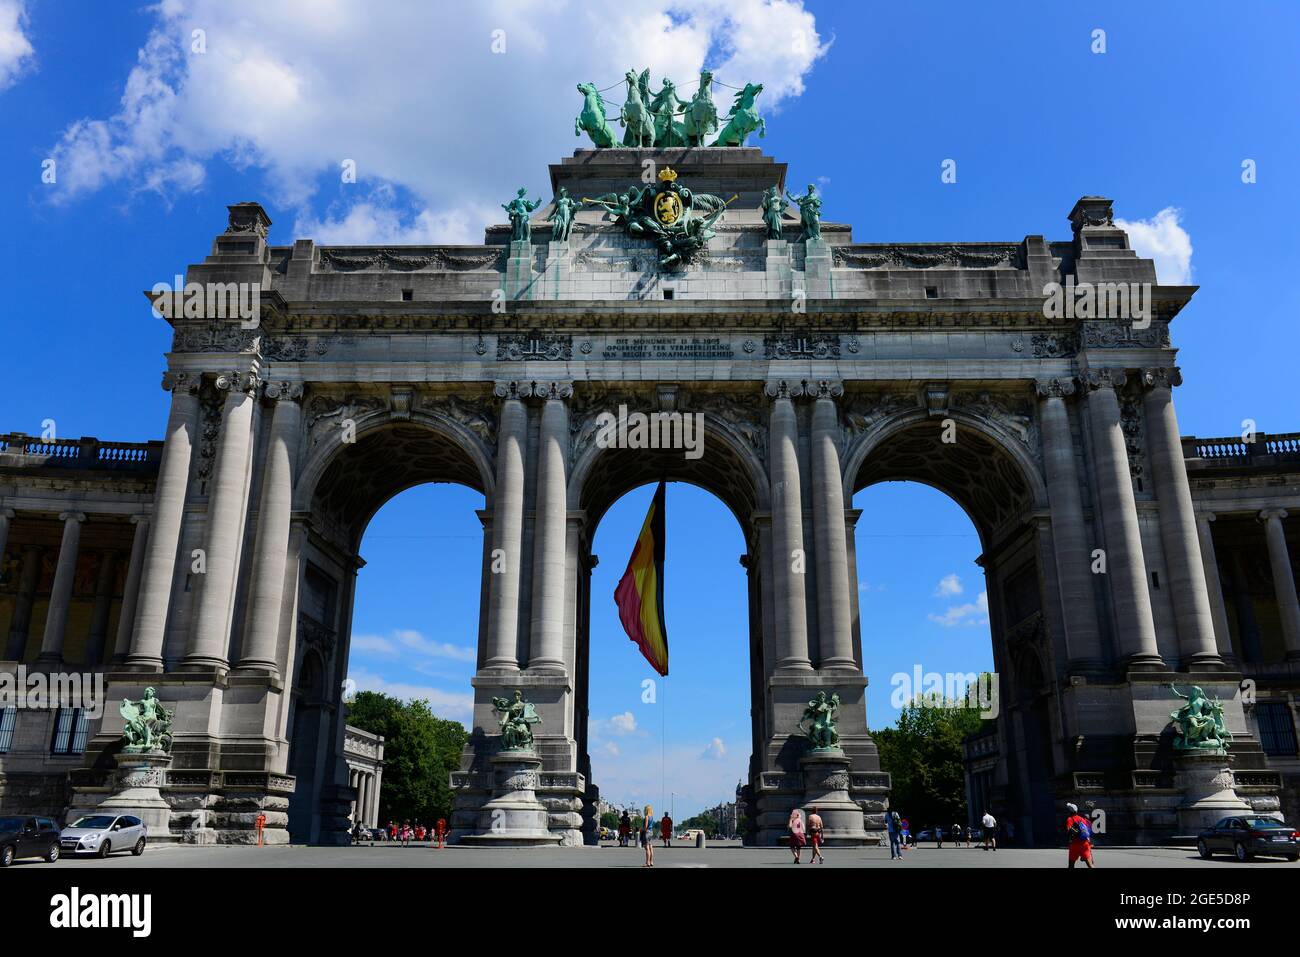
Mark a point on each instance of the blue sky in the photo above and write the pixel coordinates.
(152, 140)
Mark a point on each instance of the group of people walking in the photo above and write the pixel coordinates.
(405, 832)
(811, 833)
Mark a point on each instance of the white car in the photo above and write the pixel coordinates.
(102, 834)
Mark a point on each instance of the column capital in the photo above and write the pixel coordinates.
(1161, 377)
(1094, 379)
(183, 382)
(533, 389)
(804, 389)
(284, 391)
(1270, 513)
(1055, 388)
(77, 517)
(1206, 516)
(232, 382)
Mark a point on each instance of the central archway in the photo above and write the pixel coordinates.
(983, 456)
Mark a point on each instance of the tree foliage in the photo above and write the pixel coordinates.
(922, 754)
(420, 752)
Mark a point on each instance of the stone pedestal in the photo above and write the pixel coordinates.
(514, 817)
(1206, 782)
(137, 789)
(519, 271)
(826, 788)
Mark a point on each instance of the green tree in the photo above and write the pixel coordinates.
(420, 752)
(610, 820)
(922, 754)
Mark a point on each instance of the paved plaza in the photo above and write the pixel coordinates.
(727, 856)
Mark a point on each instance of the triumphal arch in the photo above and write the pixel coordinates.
(1031, 380)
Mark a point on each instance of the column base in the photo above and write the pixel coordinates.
(144, 665)
(826, 788)
(1145, 662)
(1204, 662)
(204, 665)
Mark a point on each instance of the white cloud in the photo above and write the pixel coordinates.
(409, 643)
(970, 614)
(715, 751)
(948, 585)
(415, 97)
(864, 587)
(1163, 239)
(634, 777)
(16, 50)
(457, 706)
(608, 750)
(619, 725)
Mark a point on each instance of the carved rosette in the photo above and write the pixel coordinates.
(246, 382)
(284, 391)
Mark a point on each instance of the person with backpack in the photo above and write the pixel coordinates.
(1080, 834)
(894, 825)
(990, 824)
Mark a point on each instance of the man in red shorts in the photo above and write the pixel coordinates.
(1080, 834)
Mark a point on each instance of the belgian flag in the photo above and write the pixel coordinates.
(640, 593)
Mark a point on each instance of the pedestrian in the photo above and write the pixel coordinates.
(1080, 834)
(624, 829)
(815, 832)
(797, 838)
(955, 834)
(990, 827)
(645, 835)
(666, 830)
(938, 836)
(894, 827)
(906, 825)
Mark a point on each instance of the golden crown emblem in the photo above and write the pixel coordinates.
(667, 175)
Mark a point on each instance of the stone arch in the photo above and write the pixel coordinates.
(392, 452)
(737, 476)
(896, 449)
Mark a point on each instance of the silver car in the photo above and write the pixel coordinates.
(102, 834)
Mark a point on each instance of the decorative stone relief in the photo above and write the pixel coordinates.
(387, 260)
(1130, 422)
(324, 412)
(802, 346)
(216, 337)
(1013, 415)
(1122, 335)
(862, 410)
(549, 347)
(926, 256)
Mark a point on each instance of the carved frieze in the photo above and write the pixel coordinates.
(548, 347)
(387, 260)
(802, 345)
(1123, 335)
(926, 257)
(215, 337)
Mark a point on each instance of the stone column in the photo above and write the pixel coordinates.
(103, 605)
(790, 612)
(270, 554)
(131, 590)
(165, 535)
(56, 619)
(21, 621)
(209, 640)
(550, 522)
(834, 600)
(6, 517)
(1125, 564)
(1191, 597)
(507, 534)
(1219, 611)
(1069, 533)
(1283, 580)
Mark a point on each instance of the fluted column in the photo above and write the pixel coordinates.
(165, 534)
(834, 599)
(1191, 598)
(20, 622)
(1069, 533)
(507, 534)
(131, 590)
(790, 612)
(550, 522)
(270, 554)
(65, 572)
(6, 518)
(1279, 561)
(210, 638)
(1218, 610)
(103, 606)
(1125, 564)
